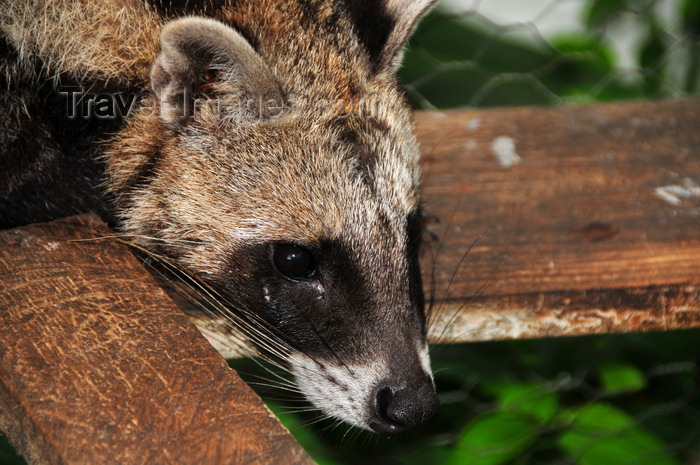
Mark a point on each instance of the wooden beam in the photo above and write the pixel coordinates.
(564, 220)
(98, 366)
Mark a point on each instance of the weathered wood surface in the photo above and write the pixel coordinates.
(581, 219)
(98, 367)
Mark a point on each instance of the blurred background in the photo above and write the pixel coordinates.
(603, 400)
(541, 52)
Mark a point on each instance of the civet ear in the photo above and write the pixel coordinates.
(202, 55)
(384, 27)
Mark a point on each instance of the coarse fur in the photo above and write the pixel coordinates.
(314, 155)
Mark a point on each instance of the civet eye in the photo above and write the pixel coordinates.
(293, 261)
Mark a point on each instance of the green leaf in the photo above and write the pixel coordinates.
(494, 439)
(690, 16)
(598, 418)
(529, 399)
(588, 48)
(617, 377)
(600, 12)
(602, 434)
(653, 48)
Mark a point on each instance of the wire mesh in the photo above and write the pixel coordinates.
(506, 52)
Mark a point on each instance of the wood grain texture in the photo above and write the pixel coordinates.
(98, 367)
(576, 219)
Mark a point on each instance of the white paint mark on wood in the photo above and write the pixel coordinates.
(504, 149)
(675, 194)
(474, 123)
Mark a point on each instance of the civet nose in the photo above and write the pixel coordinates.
(398, 406)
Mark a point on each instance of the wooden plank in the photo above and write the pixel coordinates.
(98, 366)
(576, 219)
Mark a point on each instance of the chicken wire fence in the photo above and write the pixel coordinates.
(533, 52)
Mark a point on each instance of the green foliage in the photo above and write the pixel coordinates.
(600, 11)
(620, 377)
(8, 456)
(602, 434)
(604, 400)
(494, 438)
(462, 60)
(307, 438)
(690, 15)
(532, 400)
